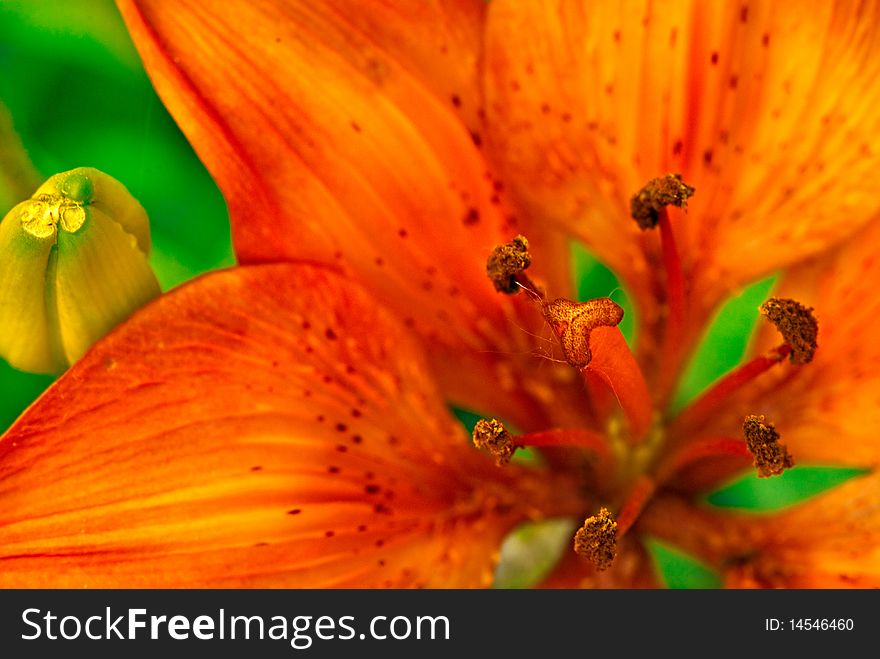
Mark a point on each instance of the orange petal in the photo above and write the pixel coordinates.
(828, 411)
(264, 426)
(832, 541)
(328, 146)
(770, 111)
(344, 133)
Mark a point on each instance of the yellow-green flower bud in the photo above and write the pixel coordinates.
(73, 264)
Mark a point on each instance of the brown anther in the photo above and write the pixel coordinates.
(658, 193)
(596, 540)
(491, 435)
(762, 440)
(573, 321)
(796, 323)
(506, 262)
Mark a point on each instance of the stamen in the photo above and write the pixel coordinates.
(574, 321)
(596, 540)
(700, 449)
(580, 437)
(658, 193)
(491, 435)
(640, 493)
(762, 440)
(797, 325)
(506, 264)
(648, 208)
(673, 336)
(699, 412)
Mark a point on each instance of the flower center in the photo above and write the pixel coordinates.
(635, 449)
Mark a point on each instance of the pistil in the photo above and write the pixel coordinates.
(588, 335)
(593, 344)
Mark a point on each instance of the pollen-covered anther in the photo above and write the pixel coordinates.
(762, 440)
(506, 262)
(492, 436)
(41, 215)
(573, 321)
(596, 540)
(658, 193)
(797, 324)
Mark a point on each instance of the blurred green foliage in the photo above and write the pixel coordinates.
(725, 342)
(678, 570)
(78, 96)
(530, 553)
(766, 494)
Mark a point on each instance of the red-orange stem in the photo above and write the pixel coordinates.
(640, 494)
(596, 443)
(706, 447)
(674, 282)
(614, 365)
(580, 437)
(672, 348)
(696, 415)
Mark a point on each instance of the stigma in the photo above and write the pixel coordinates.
(572, 322)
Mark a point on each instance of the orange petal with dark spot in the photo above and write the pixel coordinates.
(264, 426)
(330, 141)
(345, 133)
(769, 111)
(828, 411)
(832, 541)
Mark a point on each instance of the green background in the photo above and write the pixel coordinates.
(78, 96)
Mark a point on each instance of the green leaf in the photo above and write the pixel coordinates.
(678, 570)
(467, 418)
(78, 96)
(791, 487)
(531, 551)
(17, 390)
(724, 344)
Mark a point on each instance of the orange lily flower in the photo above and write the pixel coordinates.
(283, 423)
